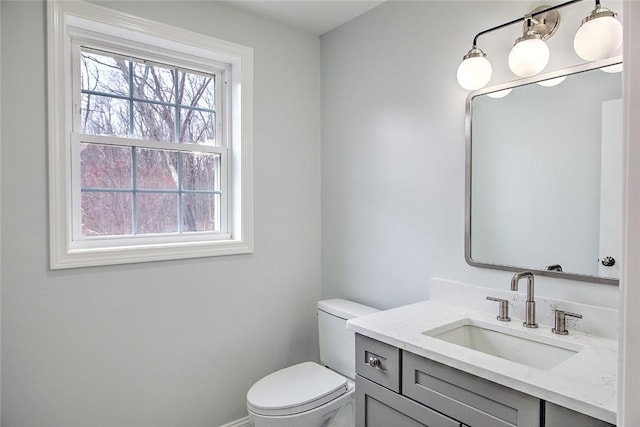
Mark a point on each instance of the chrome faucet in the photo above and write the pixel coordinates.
(530, 307)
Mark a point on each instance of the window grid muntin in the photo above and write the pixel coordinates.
(167, 63)
(134, 185)
(179, 167)
(180, 191)
(144, 190)
(131, 113)
(220, 179)
(176, 104)
(145, 100)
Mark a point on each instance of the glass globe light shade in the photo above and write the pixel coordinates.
(599, 36)
(615, 68)
(552, 82)
(475, 70)
(528, 57)
(499, 94)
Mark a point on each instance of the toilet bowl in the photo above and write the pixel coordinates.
(309, 394)
(302, 395)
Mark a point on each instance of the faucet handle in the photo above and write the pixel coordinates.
(503, 309)
(561, 326)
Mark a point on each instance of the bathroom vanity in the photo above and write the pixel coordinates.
(412, 371)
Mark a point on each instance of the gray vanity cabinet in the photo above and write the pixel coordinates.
(377, 406)
(471, 400)
(378, 399)
(398, 388)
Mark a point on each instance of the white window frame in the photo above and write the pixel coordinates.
(221, 73)
(71, 24)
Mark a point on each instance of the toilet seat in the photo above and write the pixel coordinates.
(295, 389)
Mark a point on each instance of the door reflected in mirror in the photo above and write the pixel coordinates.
(544, 175)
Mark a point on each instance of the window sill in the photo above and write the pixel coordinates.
(62, 258)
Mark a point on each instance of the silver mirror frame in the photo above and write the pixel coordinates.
(468, 140)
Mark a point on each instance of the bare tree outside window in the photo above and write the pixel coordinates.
(130, 190)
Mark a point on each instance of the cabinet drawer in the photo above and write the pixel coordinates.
(469, 399)
(377, 406)
(378, 362)
(557, 416)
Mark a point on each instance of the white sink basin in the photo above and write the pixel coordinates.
(517, 346)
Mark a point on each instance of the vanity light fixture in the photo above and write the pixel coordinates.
(530, 53)
(599, 37)
(475, 70)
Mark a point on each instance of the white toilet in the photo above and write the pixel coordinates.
(308, 394)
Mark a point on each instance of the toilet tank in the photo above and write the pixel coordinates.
(337, 343)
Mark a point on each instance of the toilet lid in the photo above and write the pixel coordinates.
(295, 389)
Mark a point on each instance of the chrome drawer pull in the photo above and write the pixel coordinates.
(374, 362)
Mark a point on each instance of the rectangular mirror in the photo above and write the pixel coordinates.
(544, 174)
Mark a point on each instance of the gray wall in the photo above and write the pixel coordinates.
(167, 343)
(393, 148)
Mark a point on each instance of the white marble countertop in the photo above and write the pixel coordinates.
(586, 382)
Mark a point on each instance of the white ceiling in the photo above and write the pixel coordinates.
(314, 16)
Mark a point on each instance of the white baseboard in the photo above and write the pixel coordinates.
(242, 422)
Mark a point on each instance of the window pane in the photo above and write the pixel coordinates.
(104, 115)
(152, 81)
(154, 122)
(105, 74)
(157, 213)
(197, 126)
(197, 90)
(106, 213)
(105, 166)
(156, 169)
(200, 211)
(200, 171)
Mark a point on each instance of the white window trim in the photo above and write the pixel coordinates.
(67, 18)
